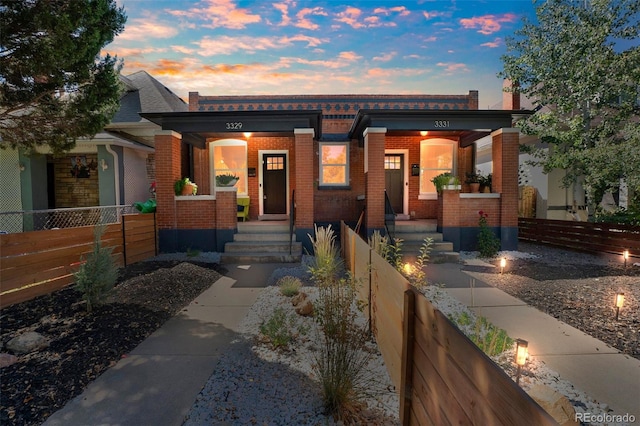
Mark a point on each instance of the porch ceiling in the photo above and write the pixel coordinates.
(468, 125)
(197, 126)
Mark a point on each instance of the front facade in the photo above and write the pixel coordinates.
(320, 159)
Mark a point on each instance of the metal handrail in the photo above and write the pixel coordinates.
(389, 217)
(292, 220)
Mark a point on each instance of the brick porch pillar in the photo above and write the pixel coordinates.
(226, 216)
(305, 157)
(374, 139)
(449, 202)
(505, 153)
(167, 156)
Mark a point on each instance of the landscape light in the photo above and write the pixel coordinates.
(408, 268)
(619, 303)
(625, 255)
(503, 263)
(522, 353)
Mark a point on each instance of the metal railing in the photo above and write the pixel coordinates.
(389, 217)
(38, 220)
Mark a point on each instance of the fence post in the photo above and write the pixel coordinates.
(408, 337)
(124, 241)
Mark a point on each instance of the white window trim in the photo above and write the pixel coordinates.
(226, 142)
(347, 176)
(453, 144)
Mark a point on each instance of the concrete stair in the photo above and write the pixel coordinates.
(262, 242)
(413, 233)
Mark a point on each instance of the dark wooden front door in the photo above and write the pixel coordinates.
(274, 183)
(394, 180)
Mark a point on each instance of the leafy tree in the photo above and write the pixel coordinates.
(54, 86)
(580, 64)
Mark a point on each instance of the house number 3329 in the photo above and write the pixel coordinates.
(441, 123)
(234, 125)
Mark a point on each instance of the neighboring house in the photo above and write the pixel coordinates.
(332, 158)
(115, 167)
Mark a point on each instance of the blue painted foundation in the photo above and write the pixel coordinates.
(182, 240)
(466, 239)
(302, 236)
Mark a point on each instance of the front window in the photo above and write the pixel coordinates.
(436, 157)
(334, 164)
(230, 156)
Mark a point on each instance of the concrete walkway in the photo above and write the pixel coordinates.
(157, 383)
(602, 372)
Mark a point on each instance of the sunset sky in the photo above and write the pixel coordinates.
(234, 47)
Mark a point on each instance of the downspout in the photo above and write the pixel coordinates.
(116, 172)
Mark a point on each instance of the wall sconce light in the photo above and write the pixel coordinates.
(503, 263)
(247, 134)
(424, 133)
(522, 353)
(619, 303)
(625, 256)
(104, 164)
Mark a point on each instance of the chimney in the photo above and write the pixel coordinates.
(510, 96)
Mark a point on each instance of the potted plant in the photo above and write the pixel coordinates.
(445, 180)
(485, 183)
(184, 186)
(226, 179)
(473, 179)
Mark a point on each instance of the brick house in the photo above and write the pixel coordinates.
(326, 158)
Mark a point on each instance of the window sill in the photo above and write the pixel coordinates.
(337, 188)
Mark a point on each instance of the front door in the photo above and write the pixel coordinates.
(274, 183)
(394, 180)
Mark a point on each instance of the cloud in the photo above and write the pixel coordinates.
(434, 14)
(142, 29)
(349, 56)
(311, 41)
(284, 10)
(385, 57)
(132, 52)
(492, 44)
(350, 17)
(227, 45)
(183, 49)
(453, 67)
(401, 10)
(220, 14)
(304, 22)
(488, 24)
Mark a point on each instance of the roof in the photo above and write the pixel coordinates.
(143, 93)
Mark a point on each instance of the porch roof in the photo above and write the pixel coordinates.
(469, 125)
(197, 126)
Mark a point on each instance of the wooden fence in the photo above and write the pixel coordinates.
(442, 376)
(583, 236)
(40, 262)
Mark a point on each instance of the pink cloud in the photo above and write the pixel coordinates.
(386, 57)
(284, 10)
(452, 68)
(306, 23)
(220, 14)
(350, 17)
(142, 29)
(401, 10)
(493, 44)
(488, 24)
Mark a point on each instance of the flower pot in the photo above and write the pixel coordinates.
(474, 187)
(188, 189)
(228, 184)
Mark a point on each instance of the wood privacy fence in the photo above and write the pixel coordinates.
(40, 262)
(583, 236)
(442, 376)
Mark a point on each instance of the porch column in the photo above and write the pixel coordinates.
(304, 156)
(505, 152)
(374, 139)
(226, 216)
(167, 143)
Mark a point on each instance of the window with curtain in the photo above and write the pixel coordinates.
(334, 164)
(230, 156)
(436, 157)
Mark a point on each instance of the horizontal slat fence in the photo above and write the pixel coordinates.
(442, 376)
(583, 236)
(40, 262)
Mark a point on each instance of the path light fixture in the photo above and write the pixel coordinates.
(625, 256)
(522, 353)
(619, 303)
(503, 263)
(409, 269)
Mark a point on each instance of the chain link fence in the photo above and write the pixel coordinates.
(37, 220)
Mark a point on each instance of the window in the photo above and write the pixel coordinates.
(334, 164)
(230, 156)
(392, 162)
(436, 157)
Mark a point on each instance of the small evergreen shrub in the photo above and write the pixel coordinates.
(98, 274)
(289, 286)
(488, 243)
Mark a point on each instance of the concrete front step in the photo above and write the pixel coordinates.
(416, 226)
(263, 228)
(263, 236)
(417, 236)
(262, 247)
(249, 258)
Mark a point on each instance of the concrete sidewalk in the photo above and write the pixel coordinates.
(602, 372)
(157, 383)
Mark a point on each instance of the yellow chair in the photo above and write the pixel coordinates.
(243, 209)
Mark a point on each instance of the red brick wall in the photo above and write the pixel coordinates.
(226, 210)
(167, 172)
(201, 170)
(304, 179)
(196, 214)
(505, 151)
(375, 180)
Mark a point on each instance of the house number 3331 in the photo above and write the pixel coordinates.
(441, 123)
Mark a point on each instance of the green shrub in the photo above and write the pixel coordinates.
(278, 329)
(488, 243)
(98, 274)
(490, 339)
(327, 262)
(289, 286)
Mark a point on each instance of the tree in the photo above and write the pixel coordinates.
(580, 64)
(54, 85)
